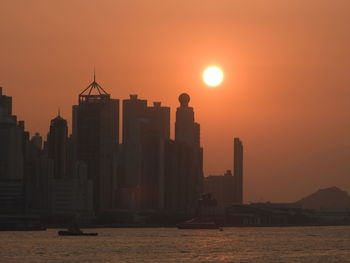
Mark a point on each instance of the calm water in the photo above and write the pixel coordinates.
(294, 244)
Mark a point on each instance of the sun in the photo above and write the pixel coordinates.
(213, 76)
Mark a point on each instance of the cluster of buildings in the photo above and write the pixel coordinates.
(227, 189)
(91, 172)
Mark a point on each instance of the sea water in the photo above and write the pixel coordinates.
(270, 244)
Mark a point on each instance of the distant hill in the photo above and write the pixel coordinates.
(328, 198)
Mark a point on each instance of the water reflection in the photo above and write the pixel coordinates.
(294, 244)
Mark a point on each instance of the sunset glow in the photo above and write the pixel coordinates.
(285, 88)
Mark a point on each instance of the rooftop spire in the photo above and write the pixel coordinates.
(59, 112)
(93, 91)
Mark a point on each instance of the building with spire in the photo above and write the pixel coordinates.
(96, 137)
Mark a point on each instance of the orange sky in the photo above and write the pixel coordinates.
(286, 90)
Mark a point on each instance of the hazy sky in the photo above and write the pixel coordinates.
(287, 82)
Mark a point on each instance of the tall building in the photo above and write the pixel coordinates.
(156, 132)
(137, 114)
(12, 149)
(134, 111)
(134, 121)
(11, 141)
(159, 118)
(57, 146)
(145, 130)
(238, 169)
(55, 187)
(5, 104)
(39, 171)
(180, 194)
(96, 138)
(37, 140)
(186, 130)
(184, 161)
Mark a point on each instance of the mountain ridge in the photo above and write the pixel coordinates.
(326, 198)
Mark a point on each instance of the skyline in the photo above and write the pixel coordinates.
(290, 106)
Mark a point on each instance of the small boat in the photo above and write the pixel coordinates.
(70, 233)
(197, 224)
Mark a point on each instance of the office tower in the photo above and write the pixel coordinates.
(12, 148)
(184, 161)
(55, 186)
(37, 140)
(38, 172)
(57, 146)
(155, 132)
(159, 117)
(187, 131)
(5, 104)
(134, 114)
(185, 128)
(144, 131)
(134, 111)
(238, 169)
(95, 138)
(134, 118)
(221, 188)
(178, 183)
(11, 141)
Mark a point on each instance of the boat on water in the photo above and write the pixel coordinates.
(73, 233)
(74, 230)
(198, 224)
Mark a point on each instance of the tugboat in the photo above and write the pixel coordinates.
(74, 230)
(197, 223)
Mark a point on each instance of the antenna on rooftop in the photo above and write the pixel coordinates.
(93, 92)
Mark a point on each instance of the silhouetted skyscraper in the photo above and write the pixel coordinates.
(134, 111)
(180, 194)
(134, 120)
(238, 169)
(5, 104)
(159, 117)
(57, 146)
(96, 138)
(184, 161)
(11, 141)
(11, 159)
(156, 132)
(144, 131)
(185, 128)
(37, 140)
